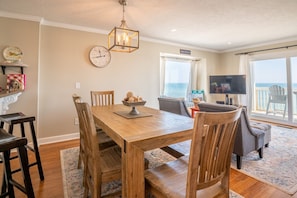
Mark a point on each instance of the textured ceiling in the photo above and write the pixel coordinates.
(218, 25)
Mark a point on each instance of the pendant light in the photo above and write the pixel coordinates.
(123, 39)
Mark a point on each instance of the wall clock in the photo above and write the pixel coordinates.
(100, 56)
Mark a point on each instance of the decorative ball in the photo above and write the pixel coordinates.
(129, 94)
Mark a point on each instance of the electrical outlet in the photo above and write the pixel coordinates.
(75, 121)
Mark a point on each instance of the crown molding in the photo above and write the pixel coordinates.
(20, 16)
(73, 27)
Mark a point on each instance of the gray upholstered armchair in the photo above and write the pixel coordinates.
(174, 105)
(177, 106)
(248, 137)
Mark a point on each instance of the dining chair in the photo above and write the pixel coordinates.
(103, 140)
(101, 165)
(205, 171)
(102, 98)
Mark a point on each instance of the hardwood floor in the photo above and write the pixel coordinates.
(52, 185)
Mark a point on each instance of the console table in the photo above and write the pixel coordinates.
(193, 111)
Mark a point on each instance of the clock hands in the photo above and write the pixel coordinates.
(99, 56)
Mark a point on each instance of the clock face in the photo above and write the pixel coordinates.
(100, 56)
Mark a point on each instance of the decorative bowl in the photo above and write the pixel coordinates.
(133, 104)
(134, 111)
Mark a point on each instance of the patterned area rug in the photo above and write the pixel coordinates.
(72, 177)
(278, 166)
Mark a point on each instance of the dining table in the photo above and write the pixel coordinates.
(137, 133)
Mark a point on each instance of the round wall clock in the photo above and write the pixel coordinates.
(100, 56)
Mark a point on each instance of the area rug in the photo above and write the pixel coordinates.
(72, 177)
(278, 166)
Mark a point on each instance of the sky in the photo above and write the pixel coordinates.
(274, 70)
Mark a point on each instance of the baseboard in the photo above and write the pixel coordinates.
(59, 138)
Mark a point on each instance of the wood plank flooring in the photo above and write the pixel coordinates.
(52, 185)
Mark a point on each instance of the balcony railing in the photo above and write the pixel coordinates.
(262, 97)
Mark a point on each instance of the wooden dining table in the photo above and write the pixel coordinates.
(135, 134)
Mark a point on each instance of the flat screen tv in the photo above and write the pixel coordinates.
(227, 84)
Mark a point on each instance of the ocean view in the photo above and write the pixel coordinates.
(178, 90)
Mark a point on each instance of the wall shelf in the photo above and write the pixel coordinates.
(19, 64)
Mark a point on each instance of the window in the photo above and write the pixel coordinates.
(178, 77)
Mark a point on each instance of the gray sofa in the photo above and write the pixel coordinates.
(250, 136)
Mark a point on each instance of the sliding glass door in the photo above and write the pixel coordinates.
(293, 63)
(274, 88)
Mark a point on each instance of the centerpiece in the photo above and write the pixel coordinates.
(133, 101)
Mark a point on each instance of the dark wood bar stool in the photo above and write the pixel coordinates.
(20, 118)
(8, 142)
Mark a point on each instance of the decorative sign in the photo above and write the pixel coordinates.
(184, 51)
(16, 82)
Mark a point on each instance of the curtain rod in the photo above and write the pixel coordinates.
(266, 49)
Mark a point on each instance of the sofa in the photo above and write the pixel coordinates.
(250, 135)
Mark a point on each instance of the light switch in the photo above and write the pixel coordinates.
(77, 85)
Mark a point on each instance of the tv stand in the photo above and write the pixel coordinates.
(220, 102)
(228, 101)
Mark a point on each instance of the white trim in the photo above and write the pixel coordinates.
(60, 138)
(20, 16)
(178, 56)
(73, 27)
(177, 44)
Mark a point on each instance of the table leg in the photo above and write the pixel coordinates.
(133, 172)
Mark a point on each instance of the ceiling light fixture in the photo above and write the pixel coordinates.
(123, 39)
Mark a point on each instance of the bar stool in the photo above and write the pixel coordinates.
(20, 118)
(8, 142)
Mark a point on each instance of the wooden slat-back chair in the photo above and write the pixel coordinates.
(81, 156)
(205, 172)
(104, 141)
(101, 165)
(277, 95)
(102, 98)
